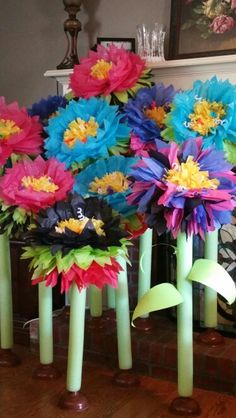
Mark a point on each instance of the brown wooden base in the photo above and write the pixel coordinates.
(96, 323)
(185, 407)
(110, 315)
(144, 324)
(65, 313)
(8, 358)
(46, 372)
(74, 401)
(126, 378)
(211, 337)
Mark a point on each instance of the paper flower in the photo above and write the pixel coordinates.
(30, 186)
(76, 238)
(146, 113)
(184, 189)
(47, 108)
(140, 148)
(109, 70)
(19, 133)
(108, 179)
(86, 130)
(207, 110)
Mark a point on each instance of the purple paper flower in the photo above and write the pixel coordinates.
(184, 188)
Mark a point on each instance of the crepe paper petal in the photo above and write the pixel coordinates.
(184, 188)
(159, 297)
(230, 151)
(146, 113)
(47, 108)
(19, 133)
(85, 131)
(108, 179)
(212, 274)
(208, 110)
(109, 71)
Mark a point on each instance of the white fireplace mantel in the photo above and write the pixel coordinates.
(180, 73)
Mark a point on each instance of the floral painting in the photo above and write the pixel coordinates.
(202, 28)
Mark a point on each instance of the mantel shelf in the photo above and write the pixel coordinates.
(181, 73)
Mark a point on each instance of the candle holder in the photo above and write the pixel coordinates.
(72, 27)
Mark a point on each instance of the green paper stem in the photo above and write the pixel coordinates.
(76, 339)
(185, 316)
(123, 319)
(45, 324)
(210, 295)
(95, 301)
(111, 297)
(6, 312)
(145, 264)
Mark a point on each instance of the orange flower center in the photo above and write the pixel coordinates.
(101, 69)
(79, 130)
(40, 184)
(8, 128)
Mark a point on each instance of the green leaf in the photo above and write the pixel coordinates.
(212, 274)
(159, 297)
(122, 96)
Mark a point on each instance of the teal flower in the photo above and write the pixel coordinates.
(108, 179)
(86, 130)
(207, 110)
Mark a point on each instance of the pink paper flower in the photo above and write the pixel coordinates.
(94, 275)
(106, 71)
(33, 185)
(222, 24)
(19, 133)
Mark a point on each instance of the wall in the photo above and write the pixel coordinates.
(32, 39)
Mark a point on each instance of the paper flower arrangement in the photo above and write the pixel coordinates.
(30, 186)
(19, 133)
(47, 108)
(184, 189)
(207, 110)
(146, 115)
(77, 239)
(108, 71)
(86, 130)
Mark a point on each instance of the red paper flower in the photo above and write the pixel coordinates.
(96, 275)
(19, 133)
(33, 185)
(108, 70)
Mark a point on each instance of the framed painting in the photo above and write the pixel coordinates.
(201, 28)
(127, 43)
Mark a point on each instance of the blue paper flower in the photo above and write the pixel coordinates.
(207, 110)
(45, 108)
(107, 178)
(85, 130)
(146, 113)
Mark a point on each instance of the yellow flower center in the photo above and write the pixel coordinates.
(8, 128)
(101, 69)
(111, 183)
(206, 116)
(156, 113)
(78, 225)
(79, 130)
(41, 184)
(189, 176)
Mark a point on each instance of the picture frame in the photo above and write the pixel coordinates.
(200, 28)
(127, 43)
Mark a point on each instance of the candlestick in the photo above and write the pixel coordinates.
(72, 398)
(46, 370)
(185, 329)
(72, 27)
(7, 357)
